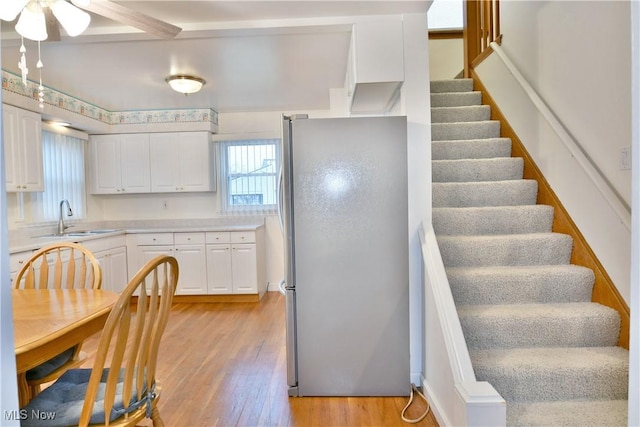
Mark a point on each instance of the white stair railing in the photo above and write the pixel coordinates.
(449, 381)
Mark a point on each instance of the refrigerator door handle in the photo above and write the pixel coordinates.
(279, 190)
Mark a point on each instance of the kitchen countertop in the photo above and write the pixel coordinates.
(28, 243)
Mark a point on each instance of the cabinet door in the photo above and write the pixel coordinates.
(165, 164)
(244, 268)
(192, 279)
(134, 163)
(105, 162)
(114, 269)
(32, 175)
(22, 132)
(219, 269)
(195, 161)
(10, 134)
(147, 253)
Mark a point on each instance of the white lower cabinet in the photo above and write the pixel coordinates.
(219, 269)
(211, 263)
(233, 263)
(189, 251)
(111, 253)
(114, 268)
(244, 272)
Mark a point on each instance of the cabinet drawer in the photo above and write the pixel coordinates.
(155, 239)
(243, 237)
(218, 237)
(188, 238)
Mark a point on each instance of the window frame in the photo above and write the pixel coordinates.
(223, 143)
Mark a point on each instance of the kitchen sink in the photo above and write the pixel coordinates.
(77, 234)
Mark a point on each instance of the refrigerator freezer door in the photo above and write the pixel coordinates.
(292, 378)
(351, 256)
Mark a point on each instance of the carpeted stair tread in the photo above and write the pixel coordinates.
(521, 285)
(490, 193)
(558, 373)
(576, 413)
(467, 113)
(465, 130)
(455, 85)
(583, 324)
(493, 220)
(471, 149)
(467, 170)
(516, 249)
(456, 99)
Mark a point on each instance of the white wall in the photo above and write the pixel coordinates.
(577, 56)
(446, 58)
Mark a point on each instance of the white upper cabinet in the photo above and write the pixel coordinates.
(22, 131)
(375, 69)
(120, 163)
(182, 161)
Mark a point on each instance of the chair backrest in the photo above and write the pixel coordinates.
(130, 340)
(60, 265)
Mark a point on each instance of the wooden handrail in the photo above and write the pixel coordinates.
(481, 28)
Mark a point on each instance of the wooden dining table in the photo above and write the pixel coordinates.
(49, 321)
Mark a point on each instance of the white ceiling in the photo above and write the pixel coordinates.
(254, 55)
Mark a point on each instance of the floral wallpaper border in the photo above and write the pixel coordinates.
(13, 83)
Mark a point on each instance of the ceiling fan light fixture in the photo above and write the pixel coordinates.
(32, 23)
(81, 3)
(73, 20)
(9, 10)
(185, 84)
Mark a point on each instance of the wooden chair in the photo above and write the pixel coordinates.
(60, 265)
(121, 388)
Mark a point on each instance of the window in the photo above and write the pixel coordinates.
(63, 166)
(250, 175)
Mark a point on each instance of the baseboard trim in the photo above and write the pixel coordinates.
(203, 299)
(604, 291)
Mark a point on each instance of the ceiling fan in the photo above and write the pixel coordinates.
(39, 18)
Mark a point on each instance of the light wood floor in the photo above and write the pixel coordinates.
(224, 364)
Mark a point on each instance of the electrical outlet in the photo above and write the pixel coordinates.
(625, 158)
(165, 206)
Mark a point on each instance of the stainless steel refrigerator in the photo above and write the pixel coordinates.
(344, 217)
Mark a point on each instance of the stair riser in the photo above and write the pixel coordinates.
(567, 285)
(471, 113)
(506, 193)
(534, 385)
(471, 149)
(460, 99)
(467, 130)
(477, 170)
(509, 251)
(589, 329)
(456, 85)
(493, 221)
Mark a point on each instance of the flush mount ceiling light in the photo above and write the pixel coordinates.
(185, 84)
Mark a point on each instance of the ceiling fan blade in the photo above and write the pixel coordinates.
(53, 30)
(130, 17)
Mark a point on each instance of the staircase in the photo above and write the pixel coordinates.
(526, 312)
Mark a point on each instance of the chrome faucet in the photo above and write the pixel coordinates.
(61, 226)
